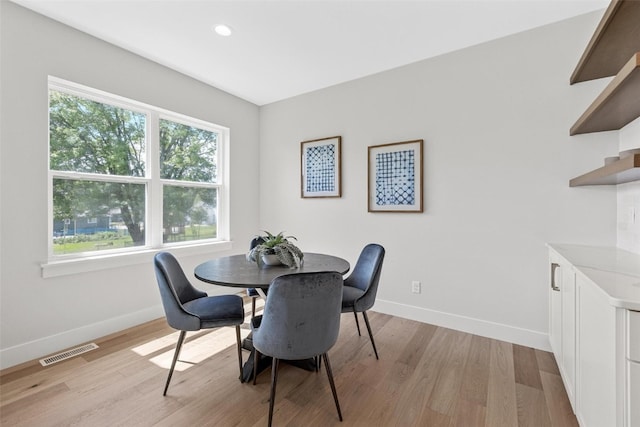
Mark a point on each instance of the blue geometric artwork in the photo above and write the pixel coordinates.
(395, 178)
(320, 168)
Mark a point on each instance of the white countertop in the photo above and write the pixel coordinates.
(615, 271)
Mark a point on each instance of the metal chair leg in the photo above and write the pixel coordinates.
(357, 323)
(253, 307)
(333, 386)
(239, 342)
(256, 362)
(366, 320)
(175, 359)
(274, 380)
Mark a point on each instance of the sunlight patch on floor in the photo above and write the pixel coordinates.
(158, 344)
(198, 345)
(199, 349)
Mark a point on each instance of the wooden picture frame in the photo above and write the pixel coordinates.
(320, 167)
(395, 174)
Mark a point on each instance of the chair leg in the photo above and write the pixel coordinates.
(175, 359)
(253, 307)
(239, 342)
(357, 323)
(256, 362)
(366, 320)
(274, 380)
(333, 386)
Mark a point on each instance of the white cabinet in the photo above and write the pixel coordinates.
(562, 319)
(633, 327)
(569, 330)
(596, 365)
(594, 331)
(633, 397)
(555, 306)
(633, 368)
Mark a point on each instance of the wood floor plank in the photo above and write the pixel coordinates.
(476, 373)
(413, 399)
(526, 366)
(426, 376)
(415, 345)
(351, 346)
(364, 404)
(532, 407)
(502, 409)
(23, 409)
(469, 414)
(560, 411)
(35, 379)
(446, 390)
(429, 417)
(547, 362)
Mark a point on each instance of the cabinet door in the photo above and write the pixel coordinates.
(632, 339)
(555, 307)
(633, 394)
(568, 367)
(596, 362)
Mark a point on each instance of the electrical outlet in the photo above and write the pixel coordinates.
(415, 287)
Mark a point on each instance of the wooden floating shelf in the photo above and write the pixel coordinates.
(616, 38)
(617, 105)
(619, 172)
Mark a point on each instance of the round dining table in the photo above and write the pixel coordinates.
(235, 271)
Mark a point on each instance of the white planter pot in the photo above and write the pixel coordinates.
(271, 259)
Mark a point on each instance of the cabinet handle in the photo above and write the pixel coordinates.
(553, 276)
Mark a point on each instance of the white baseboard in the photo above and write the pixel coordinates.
(42, 347)
(470, 325)
(49, 345)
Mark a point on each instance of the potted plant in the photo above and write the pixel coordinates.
(276, 249)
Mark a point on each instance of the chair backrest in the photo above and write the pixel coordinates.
(252, 291)
(175, 290)
(301, 317)
(366, 275)
(255, 242)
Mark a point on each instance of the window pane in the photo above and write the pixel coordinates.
(92, 137)
(189, 213)
(93, 216)
(187, 153)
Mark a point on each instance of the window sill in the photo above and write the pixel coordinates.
(105, 262)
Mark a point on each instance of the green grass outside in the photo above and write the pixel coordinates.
(67, 247)
(98, 243)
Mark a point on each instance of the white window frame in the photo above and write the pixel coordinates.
(96, 260)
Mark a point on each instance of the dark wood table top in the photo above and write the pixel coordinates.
(236, 271)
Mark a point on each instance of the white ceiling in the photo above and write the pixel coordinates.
(280, 49)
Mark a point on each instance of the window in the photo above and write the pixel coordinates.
(126, 176)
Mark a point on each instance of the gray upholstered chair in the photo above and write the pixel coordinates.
(301, 320)
(189, 309)
(361, 287)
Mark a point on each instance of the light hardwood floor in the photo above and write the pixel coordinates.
(426, 376)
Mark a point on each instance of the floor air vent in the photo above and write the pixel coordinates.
(67, 354)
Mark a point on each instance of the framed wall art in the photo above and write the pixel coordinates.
(395, 177)
(320, 167)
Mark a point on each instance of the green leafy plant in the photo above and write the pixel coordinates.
(278, 245)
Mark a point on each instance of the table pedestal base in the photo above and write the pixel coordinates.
(265, 362)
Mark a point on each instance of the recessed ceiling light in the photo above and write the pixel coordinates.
(222, 30)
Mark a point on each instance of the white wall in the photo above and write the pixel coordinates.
(40, 316)
(629, 195)
(495, 119)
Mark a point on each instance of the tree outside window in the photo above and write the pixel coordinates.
(100, 154)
